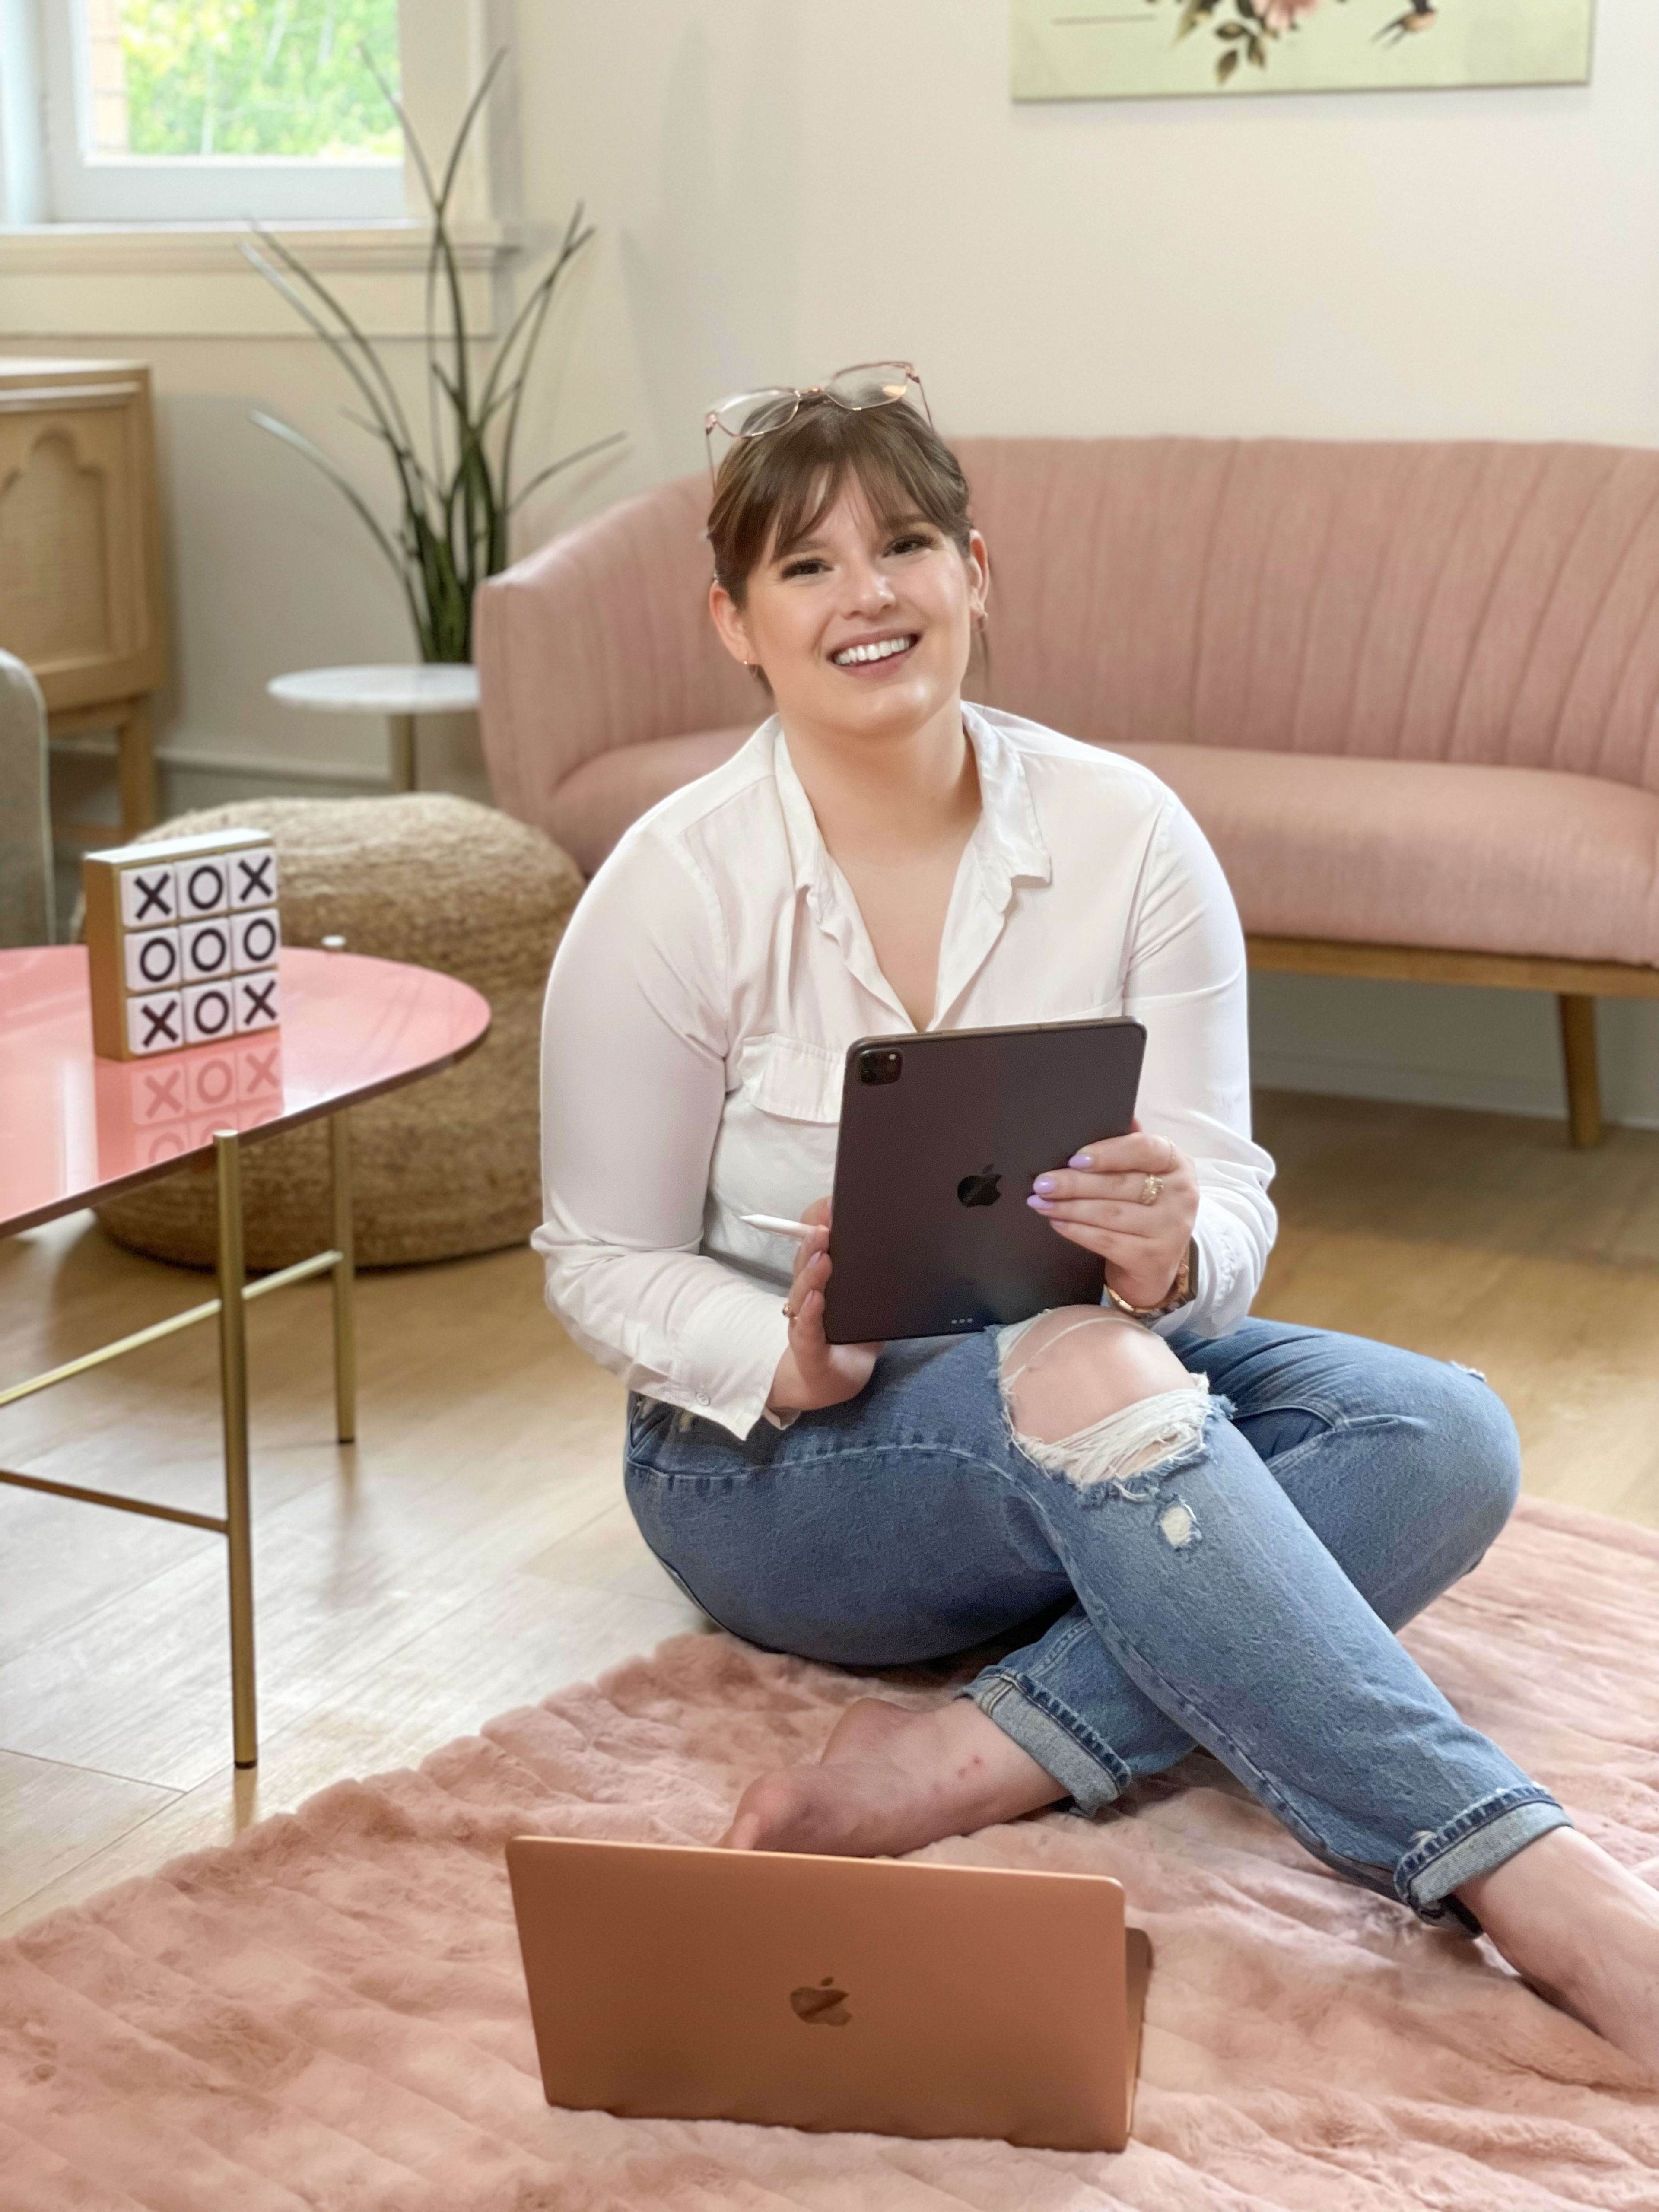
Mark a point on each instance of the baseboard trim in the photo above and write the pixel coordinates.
(267, 767)
(246, 766)
(1313, 1073)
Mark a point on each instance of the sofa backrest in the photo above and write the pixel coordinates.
(1459, 602)
(1455, 602)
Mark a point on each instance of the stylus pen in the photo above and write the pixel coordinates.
(778, 1225)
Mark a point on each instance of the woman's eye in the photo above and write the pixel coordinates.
(805, 567)
(915, 542)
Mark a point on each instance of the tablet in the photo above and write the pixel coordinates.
(942, 1133)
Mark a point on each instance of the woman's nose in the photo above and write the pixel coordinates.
(872, 588)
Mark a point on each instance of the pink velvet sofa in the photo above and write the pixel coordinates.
(1411, 692)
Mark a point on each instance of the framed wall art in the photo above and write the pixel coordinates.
(1159, 49)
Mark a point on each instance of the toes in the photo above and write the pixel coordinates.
(766, 1812)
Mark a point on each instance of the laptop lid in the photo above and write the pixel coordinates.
(893, 1996)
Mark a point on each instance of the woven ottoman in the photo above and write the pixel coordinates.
(447, 1166)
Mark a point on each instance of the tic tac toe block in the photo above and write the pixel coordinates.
(153, 960)
(149, 896)
(154, 1022)
(253, 879)
(255, 939)
(204, 886)
(207, 949)
(258, 1006)
(209, 1013)
(168, 918)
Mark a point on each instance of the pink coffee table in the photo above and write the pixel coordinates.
(75, 1128)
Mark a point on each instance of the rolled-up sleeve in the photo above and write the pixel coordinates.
(1186, 981)
(634, 1054)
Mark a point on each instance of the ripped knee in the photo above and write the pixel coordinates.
(1075, 1366)
(1093, 1395)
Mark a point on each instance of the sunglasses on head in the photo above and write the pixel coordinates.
(867, 384)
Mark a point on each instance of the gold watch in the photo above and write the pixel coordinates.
(1180, 1292)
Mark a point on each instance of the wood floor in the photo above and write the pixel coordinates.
(472, 1550)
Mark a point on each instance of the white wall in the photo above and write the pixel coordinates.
(782, 188)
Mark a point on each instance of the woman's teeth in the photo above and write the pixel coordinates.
(885, 651)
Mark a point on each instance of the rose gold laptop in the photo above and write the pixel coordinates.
(890, 1994)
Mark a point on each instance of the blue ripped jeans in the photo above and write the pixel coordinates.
(1237, 1590)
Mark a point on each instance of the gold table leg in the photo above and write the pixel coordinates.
(344, 1280)
(233, 1390)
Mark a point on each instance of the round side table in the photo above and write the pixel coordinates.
(398, 692)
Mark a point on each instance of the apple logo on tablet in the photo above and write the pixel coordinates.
(984, 1188)
(823, 2007)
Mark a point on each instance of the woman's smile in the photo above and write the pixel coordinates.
(876, 655)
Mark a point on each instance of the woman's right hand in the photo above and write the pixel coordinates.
(813, 1372)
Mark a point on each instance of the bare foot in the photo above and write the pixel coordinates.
(891, 1781)
(1583, 1932)
(864, 1731)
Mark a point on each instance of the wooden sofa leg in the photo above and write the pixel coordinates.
(1583, 1078)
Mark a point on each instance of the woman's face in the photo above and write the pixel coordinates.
(863, 627)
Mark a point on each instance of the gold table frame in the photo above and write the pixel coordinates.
(230, 1310)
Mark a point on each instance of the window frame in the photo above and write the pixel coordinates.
(82, 187)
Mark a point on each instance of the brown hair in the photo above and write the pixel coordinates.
(774, 490)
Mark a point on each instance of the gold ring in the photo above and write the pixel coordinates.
(789, 1309)
(1149, 1187)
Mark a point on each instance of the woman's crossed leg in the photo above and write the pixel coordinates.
(1245, 1603)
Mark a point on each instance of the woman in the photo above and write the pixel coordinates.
(1210, 1523)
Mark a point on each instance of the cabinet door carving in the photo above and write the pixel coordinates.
(80, 594)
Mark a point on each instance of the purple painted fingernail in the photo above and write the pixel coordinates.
(1079, 1160)
(1039, 1205)
(1045, 1184)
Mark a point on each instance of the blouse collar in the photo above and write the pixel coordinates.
(1007, 843)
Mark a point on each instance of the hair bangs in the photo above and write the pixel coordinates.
(775, 490)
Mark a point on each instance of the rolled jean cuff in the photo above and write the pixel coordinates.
(1058, 1739)
(1477, 1840)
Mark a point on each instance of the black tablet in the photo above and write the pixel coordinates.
(942, 1133)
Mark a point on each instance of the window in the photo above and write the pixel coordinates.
(180, 111)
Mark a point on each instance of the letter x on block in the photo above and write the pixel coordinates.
(153, 898)
(162, 1022)
(253, 877)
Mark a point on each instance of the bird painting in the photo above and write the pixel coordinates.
(1421, 15)
(1247, 30)
(1151, 49)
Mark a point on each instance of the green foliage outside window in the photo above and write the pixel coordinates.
(259, 77)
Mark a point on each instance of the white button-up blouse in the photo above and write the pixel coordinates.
(717, 969)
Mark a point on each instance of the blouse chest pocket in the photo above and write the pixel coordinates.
(790, 1079)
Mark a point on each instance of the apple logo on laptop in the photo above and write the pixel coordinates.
(823, 2007)
(984, 1188)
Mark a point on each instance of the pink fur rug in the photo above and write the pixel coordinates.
(330, 2013)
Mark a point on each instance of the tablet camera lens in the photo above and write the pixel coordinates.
(884, 1066)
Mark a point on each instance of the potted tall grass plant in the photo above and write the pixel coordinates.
(458, 494)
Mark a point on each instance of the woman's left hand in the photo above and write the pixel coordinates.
(1134, 1200)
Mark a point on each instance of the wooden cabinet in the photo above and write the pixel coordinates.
(80, 556)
